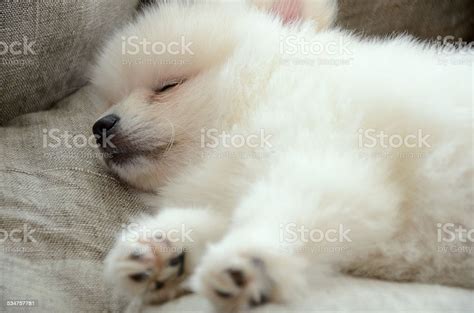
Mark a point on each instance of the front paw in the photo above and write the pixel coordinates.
(239, 279)
(152, 267)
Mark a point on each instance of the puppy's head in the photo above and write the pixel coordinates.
(182, 69)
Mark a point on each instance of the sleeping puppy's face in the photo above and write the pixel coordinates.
(176, 72)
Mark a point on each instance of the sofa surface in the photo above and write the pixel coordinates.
(58, 40)
(65, 204)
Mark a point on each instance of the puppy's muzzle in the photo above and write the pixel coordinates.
(104, 128)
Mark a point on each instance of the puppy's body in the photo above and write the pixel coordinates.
(319, 170)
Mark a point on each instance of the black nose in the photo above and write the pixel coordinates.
(103, 127)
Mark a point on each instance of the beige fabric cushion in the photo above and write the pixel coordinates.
(421, 18)
(68, 200)
(62, 37)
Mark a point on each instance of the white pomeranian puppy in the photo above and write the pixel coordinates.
(278, 148)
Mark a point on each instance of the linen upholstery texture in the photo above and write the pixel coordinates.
(68, 198)
(64, 35)
(70, 201)
(425, 19)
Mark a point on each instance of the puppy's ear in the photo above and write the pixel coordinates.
(322, 12)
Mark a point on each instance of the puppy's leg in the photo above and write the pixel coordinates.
(153, 257)
(260, 261)
(245, 271)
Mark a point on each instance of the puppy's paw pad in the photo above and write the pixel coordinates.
(151, 266)
(244, 284)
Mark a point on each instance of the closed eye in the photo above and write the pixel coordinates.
(168, 86)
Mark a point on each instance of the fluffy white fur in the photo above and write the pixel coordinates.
(347, 294)
(316, 174)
